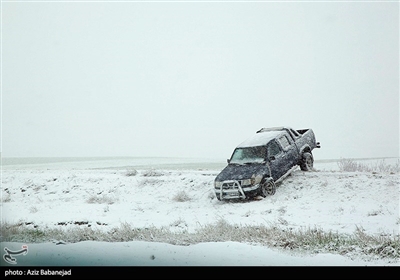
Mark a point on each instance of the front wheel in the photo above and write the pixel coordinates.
(307, 162)
(267, 187)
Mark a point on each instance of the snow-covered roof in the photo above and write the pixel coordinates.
(260, 138)
(273, 128)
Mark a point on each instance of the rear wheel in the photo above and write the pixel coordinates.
(307, 162)
(267, 187)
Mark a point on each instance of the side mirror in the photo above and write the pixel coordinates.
(228, 160)
(271, 158)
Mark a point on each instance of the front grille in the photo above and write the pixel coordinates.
(231, 189)
(231, 185)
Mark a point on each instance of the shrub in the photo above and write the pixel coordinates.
(350, 165)
(152, 173)
(131, 172)
(101, 199)
(152, 182)
(181, 197)
(6, 198)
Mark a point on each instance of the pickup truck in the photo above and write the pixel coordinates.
(263, 160)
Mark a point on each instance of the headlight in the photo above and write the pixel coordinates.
(255, 179)
(217, 184)
(246, 182)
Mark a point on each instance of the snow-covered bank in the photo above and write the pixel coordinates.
(182, 200)
(141, 253)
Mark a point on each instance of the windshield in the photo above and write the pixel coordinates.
(248, 155)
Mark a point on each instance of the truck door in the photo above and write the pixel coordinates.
(276, 160)
(290, 150)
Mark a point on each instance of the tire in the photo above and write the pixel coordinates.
(307, 162)
(267, 187)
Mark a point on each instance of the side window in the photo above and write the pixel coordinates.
(273, 149)
(284, 142)
(294, 132)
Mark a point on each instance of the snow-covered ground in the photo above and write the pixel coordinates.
(181, 199)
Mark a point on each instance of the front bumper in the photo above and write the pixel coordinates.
(232, 189)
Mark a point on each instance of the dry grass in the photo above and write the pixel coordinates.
(101, 199)
(131, 172)
(311, 239)
(152, 173)
(350, 165)
(181, 196)
(5, 197)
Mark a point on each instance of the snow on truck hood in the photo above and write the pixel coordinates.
(239, 172)
(259, 139)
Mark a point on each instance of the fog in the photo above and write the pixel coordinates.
(195, 79)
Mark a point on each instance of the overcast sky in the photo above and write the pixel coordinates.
(195, 79)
